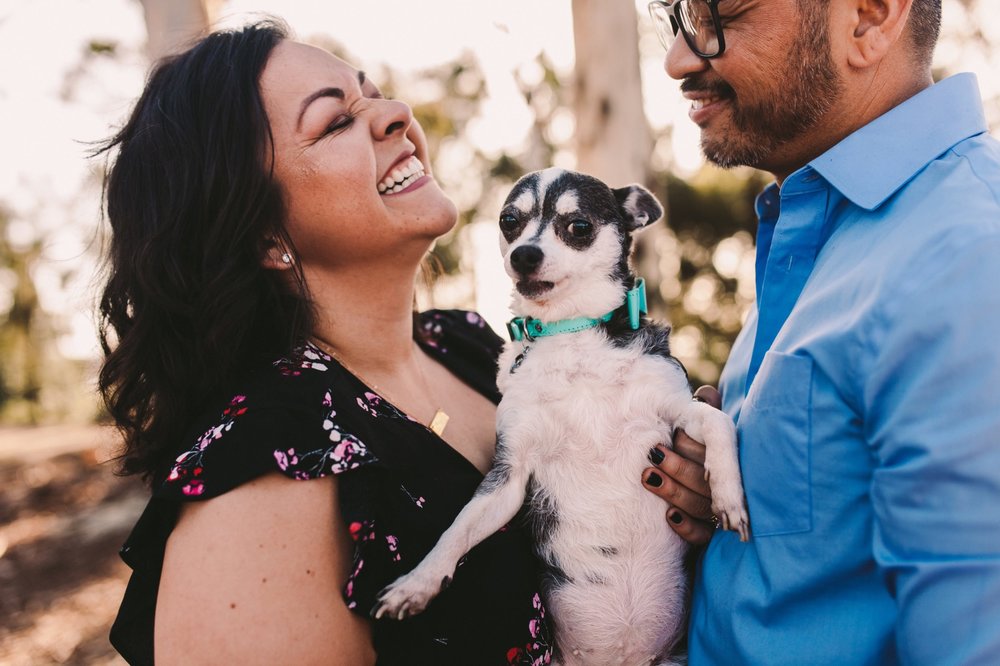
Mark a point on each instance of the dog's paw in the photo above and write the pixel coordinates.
(409, 595)
(729, 506)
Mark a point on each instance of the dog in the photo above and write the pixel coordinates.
(589, 388)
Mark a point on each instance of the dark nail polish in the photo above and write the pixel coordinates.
(675, 517)
(654, 480)
(656, 455)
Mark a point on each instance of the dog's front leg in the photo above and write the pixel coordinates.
(496, 502)
(716, 431)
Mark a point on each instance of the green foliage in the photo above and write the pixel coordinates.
(20, 368)
(705, 305)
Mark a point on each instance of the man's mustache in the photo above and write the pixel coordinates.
(716, 88)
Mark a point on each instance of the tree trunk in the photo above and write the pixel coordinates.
(172, 24)
(613, 140)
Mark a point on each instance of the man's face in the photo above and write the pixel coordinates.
(757, 103)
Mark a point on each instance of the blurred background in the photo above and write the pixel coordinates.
(501, 88)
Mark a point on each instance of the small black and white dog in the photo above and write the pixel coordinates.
(589, 387)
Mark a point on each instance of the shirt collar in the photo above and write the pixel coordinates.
(903, 141)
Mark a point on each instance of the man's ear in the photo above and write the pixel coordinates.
(639, 207)
(876, 25)
(276, 257)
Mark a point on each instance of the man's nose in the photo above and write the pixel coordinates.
(681, 61)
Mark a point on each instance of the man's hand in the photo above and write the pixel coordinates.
(679, 478)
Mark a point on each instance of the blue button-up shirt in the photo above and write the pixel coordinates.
(866, 390)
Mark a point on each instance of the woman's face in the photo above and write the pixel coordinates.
(352, 166)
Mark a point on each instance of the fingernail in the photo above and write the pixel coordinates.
(656, 455)
(675, 517)
(654, 480)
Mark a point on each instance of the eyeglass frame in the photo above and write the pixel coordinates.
(672, 7)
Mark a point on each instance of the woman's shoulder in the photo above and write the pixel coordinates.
(445, 329)
(465, 343)
(280, 417)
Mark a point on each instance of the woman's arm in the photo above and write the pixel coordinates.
(254, 577)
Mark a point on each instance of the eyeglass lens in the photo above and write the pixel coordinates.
(696, 20)
(696, 17)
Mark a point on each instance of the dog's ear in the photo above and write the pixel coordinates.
(638, 206)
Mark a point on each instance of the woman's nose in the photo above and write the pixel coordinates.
(395, 117)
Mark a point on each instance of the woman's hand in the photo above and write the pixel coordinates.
(679, 478)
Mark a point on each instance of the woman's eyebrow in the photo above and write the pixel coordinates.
(324, 92)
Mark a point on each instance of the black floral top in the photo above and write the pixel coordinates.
(400, 487)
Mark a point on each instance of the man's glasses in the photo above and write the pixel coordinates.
(697, 20)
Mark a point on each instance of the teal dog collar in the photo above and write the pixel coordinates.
(529, 328)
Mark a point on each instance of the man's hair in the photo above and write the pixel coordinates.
(925, 26)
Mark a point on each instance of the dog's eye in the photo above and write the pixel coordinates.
(580, 228)
(508, 222)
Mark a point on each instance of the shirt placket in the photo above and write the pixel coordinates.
(788, 240)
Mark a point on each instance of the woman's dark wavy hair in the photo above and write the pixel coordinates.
(193, 206)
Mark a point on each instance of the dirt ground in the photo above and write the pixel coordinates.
(63, 516)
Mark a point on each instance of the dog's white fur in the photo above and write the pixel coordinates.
(576, 422)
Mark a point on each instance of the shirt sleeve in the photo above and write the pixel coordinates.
(932, 408)
(253, 435)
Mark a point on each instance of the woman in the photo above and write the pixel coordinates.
(307, 436)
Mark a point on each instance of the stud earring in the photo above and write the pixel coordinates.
(286, 258)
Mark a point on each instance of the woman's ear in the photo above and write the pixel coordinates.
(878, 26)
(276, 257)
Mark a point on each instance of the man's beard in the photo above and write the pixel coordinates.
(805, 91)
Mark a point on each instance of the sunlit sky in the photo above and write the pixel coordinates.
(52, 104)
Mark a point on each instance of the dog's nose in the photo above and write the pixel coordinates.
(526, 259)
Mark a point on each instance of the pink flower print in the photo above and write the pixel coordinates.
(419, 501)
(313, 358)
(349, 585)
(286, 458)
(533, 628)
(346, 453)
(307, 357)
(393, 547)
(514, 654)
(234, 408)
(189, 463)
(370, 402)
(536, 602)
(475, 320)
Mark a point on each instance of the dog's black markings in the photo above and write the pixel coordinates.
(553, 576)
(499, 473)
(543, 516)
(521, 215)
(607, 551)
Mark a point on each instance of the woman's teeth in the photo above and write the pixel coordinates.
(402, 176)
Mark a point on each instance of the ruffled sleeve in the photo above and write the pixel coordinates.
(289, 423)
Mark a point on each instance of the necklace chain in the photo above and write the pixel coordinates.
(437, 423)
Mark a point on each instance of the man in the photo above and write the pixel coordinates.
(865, 382)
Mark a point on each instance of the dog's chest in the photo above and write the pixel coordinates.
(557, 368)
(579, 384)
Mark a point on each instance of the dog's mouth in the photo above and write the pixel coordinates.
(533, 288)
